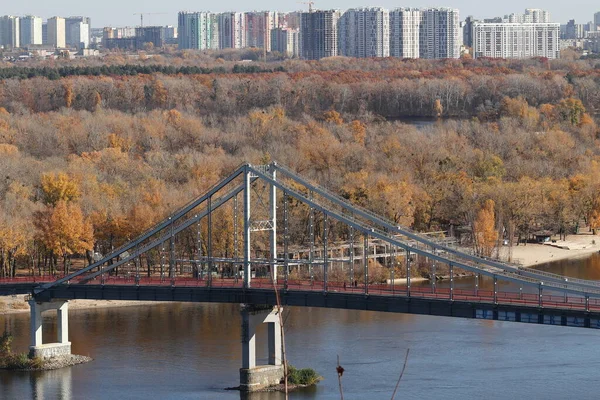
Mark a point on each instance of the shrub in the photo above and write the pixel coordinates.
(305, 376)
(18, 361)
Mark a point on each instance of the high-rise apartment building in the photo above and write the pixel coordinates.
(318, 34)
(364, 32)
(405, 28)
(198, 30)
(285, 41)
(77, 32)
(516, 40)
(9, 32)
(232, 30)
(31, 31)
(597, 18)
(439, 34)
(258, 26)
(56, 32)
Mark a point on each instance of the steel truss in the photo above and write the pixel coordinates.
(164, 246)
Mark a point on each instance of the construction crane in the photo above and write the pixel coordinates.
(310, 4)
(142, 16)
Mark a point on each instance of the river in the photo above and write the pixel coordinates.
(192, 351)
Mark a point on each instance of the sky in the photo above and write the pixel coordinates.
(120, 12)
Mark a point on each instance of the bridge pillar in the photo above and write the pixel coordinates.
(253, 377)
(62, 345)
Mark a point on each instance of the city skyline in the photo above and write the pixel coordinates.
(581, 11)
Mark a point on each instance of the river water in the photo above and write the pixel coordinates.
(193, 351)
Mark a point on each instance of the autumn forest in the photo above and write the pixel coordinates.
(89, 160)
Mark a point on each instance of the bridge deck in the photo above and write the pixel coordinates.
(466, 303)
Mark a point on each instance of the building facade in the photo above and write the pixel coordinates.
(258, 26)
(198, 30)
(150, 34)
(57, 32)
(364, 33)
(10, 32)
(439, 33)
(405, 28)
(78, 32)
(516, 40)
(319, 34)
(285, 41)
(232, 30)
(31, 31)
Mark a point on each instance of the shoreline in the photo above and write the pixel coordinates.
(575, 247)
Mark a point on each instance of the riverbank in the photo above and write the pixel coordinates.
(17, 304)
(576, 246)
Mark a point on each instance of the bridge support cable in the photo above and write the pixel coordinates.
(157, 242)
(311, 237)
(587, 303)
(198, 249)
(408, 273)
(393, 268)
(384, 236)
(392, 228)
(495, 289)
(433, 277)
(325, 250)
(209, 240)
(273, 231)
(247, 248)
(451, 282)
(150, 232)
(286, 238)
(366, 262)
(172, 253)
(351, 256)
(236, 243)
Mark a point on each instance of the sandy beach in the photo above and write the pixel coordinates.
(576, 246)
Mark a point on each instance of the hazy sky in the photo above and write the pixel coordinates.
(120, 12)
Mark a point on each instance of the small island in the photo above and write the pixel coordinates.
(22, 361)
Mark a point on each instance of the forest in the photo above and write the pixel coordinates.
(90, 156)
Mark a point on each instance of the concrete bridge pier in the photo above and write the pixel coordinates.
(62, 345)
(253, 377)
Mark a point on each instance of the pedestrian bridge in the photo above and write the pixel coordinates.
(266, 232)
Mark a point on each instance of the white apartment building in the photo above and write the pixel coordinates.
(516, 40)
(30, 30)
(405, 26)
(364, 33)
(10, 32)
(232, 30)
(439, 35)
(198, 30)
(77, 32)
(57, 32)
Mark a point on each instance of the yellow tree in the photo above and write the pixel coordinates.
(59, 187)
(484, 230)
(438, 109)
(64, 231)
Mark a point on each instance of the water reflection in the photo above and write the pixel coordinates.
(51, 384)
